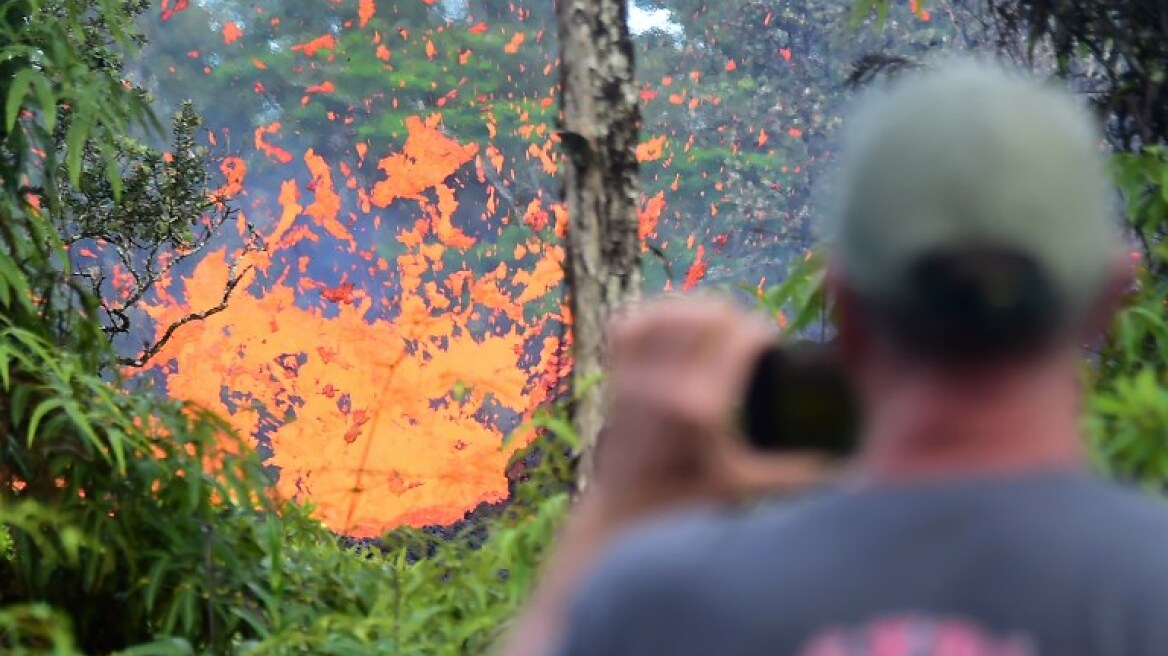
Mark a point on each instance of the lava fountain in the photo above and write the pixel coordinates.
(382, 398)
(406, 312)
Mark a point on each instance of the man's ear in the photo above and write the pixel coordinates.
(850, 339)
(1116, 287)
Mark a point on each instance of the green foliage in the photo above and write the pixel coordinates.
(88, 494)
(162, 194)
(118, 520)
(1129, 405)
(799, 303)
(1116, 51)
(455, 600)
(292, 589)
(36, 629)
(74, 141)
(130, 524)
(93, 482)
(63, 76)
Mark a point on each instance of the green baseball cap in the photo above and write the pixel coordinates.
(968, 157)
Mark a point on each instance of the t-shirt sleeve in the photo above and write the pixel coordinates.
(610, 610)
(1148, 613)
(628, 605)
(592, 628)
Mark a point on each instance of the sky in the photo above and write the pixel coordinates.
(641, 20)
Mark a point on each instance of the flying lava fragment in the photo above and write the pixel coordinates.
(231, 32)
(172, 7)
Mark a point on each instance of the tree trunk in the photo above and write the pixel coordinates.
(601, 124)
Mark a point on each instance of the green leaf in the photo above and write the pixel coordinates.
(6, 377)
(5, 290)
(82, 424)
(162, 647)
(112, 174)
(17, 401)
(38, 415)
(861, 9)
(16, 92)
(75, 139)
(253, 620)
(881, 13)
(814, 308)
(562, 429)
(47, 100)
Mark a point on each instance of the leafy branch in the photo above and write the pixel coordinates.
(166, 214)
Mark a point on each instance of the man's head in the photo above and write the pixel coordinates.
(974, 231)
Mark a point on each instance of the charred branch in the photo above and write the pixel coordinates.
(146, 268)
(124, 247)
(150, 350)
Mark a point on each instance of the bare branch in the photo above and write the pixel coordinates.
(149, 276)
(153, 349)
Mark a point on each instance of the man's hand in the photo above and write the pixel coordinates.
(679, 371)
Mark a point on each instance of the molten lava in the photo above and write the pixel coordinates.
(406, 312)
(385, 402)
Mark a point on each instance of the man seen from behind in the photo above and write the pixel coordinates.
(974, 252)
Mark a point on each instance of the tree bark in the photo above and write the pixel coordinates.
(600, 132)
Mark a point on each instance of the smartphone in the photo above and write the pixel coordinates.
(799, 399)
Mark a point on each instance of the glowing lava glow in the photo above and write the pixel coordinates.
(398, 162)
(381, 402)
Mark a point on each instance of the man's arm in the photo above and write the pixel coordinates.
(585, 539)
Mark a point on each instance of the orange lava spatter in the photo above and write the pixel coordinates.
(382, 403)
(397, 162)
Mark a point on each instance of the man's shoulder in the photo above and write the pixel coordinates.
(696, 549)
(1133, 522)
(657, 573)
(663, 545)
(680, 551)
(694, 567)
(1120, 506)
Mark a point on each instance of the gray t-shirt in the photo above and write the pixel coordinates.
(1053, 564)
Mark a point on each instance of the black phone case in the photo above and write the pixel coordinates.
(799, 399)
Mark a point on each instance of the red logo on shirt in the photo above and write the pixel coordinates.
(916, 636)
